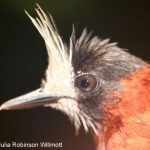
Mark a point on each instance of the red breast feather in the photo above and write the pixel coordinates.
(133, 132)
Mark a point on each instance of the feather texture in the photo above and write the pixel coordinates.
(132, 130)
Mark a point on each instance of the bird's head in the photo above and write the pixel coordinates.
(81, 79)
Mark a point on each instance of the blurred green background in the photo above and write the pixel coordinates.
(23, 58)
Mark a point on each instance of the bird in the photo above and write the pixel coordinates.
(98, 85)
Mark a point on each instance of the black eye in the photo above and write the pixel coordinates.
(86, 83)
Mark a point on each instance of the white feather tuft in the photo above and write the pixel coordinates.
(60, 73)
(60, 60)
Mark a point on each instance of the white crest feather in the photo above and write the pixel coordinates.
(60, 73)
(60, 60)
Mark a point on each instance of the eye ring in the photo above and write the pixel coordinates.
(86, 83)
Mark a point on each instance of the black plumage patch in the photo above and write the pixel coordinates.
(91, 54)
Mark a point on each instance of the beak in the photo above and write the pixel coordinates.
(33, 99)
